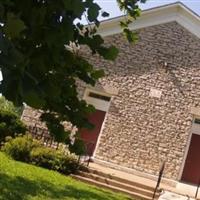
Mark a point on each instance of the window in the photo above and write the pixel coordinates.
(197, 121)
(101, 101)
(99, 96)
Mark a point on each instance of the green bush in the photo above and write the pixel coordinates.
(54, 160)
(26, 149)
(20, 148)
(45, 157)
(10, 125)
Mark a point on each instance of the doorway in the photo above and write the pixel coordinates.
(101, 102)
(191, 171)
(90, 137)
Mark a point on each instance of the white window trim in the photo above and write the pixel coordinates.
(97, 103)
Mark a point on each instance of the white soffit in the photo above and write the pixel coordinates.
(160, 15)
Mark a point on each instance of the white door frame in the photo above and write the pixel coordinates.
(100, 105)
(195, 129)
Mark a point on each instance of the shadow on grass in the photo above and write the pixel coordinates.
(19, 188)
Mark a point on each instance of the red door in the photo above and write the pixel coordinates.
(90, 137)
(191, 172)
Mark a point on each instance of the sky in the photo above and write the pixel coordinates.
(111, 7)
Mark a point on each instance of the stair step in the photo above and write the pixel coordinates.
(113, 182)
(137, 195)
(121, 180)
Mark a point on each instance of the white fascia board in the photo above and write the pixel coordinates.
(189, 20)
(161, 15)
(147, 20)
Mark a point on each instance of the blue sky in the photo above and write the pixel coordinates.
(111, 6)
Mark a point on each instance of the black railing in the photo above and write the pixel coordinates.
(197, 191)
(159, 179)
(88, 151)
(43, 135)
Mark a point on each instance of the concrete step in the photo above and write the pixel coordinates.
(116, 183)
(132, 194)
(121, 180)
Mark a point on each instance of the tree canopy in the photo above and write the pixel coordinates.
(8, 106)
(37, 67)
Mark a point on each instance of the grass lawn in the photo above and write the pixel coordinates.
(20, 181)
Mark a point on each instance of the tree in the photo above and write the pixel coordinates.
(9, 106)
(10, 123)
(37, 67)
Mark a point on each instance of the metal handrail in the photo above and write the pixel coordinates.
(159, 179)
(197, 191)
(42, 134)
(88, 146)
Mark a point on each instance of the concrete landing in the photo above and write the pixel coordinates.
(172, 196)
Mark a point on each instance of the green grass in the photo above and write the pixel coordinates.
(20, 181)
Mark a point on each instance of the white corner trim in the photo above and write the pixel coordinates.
(161, 15)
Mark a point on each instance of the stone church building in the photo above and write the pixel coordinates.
(148, 104)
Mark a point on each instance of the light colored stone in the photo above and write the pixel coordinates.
(140, 132)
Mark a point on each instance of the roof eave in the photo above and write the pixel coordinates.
(155, 16)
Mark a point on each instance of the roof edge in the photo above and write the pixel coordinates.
(154, 16)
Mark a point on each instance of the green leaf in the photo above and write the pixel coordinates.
(93, 12)
(98, 74)
(77, 6)
(135, 13)
(108, 53)
(36, 67)
(88, 3)
(33, 99)
(97, 40)
(78, 147)
(4, 45)
(130, 35)
(90, 109)
(14, 26)
(123, 24)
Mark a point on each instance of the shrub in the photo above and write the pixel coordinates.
(45, 157)
(25, 148)
(10, 125)
(20, 148)
(54, 160)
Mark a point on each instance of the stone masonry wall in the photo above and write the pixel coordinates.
(31, 117)
(140, 131)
